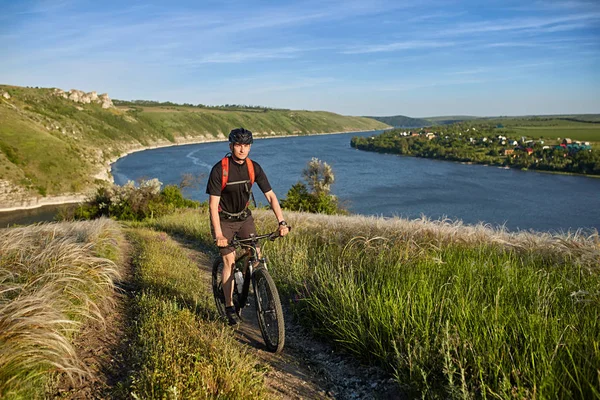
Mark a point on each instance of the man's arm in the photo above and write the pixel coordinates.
(272, 199)
(213, 208)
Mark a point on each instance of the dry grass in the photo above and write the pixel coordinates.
(53, 277)
(582, 247)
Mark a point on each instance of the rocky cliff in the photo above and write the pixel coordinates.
(79, 96)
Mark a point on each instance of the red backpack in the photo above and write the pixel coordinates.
(225, 178)
(225, 174)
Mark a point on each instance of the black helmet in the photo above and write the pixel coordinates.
(241, 135)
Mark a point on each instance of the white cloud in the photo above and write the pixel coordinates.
(244, 56)
(396, 46)
(517, 24)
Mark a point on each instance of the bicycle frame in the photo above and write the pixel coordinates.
(247, 262)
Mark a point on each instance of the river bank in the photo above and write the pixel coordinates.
(105, 174)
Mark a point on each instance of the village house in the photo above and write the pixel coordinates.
(509, 152)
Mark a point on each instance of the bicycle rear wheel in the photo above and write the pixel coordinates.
(217, 286)
(268, 310)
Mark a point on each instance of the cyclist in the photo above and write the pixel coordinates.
(229, 189)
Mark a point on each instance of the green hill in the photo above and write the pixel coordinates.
(401, 121)
(52, 145)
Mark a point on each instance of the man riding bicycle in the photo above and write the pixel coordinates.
(229, 189)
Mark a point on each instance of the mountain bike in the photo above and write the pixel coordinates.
(249, 267)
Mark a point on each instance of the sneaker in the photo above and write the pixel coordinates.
(232, 318)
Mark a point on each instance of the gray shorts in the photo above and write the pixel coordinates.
(243, 230)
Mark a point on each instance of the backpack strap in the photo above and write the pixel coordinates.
(250, 170)
(225, 173)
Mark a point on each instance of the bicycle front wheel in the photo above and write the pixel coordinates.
(268, 310)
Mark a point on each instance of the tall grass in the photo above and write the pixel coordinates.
(451, 310)
(454, 311)
(53, 277)
(178, 350)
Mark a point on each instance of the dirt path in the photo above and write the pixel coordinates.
(307, 368)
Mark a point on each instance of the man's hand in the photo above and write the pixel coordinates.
(283, 230)
(221, 241)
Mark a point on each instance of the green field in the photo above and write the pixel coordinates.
(575, 128)
(581, 132)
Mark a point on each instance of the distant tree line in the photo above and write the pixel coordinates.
(230, 107)
(478, 147)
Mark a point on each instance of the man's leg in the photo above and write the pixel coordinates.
(248, 229)
(228, 255)
(227, 278)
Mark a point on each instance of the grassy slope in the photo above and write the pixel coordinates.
(49, 146)
(451, 310)
(403, 121)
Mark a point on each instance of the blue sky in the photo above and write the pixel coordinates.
(377, 57)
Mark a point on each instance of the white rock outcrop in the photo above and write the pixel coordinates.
(6, 95)
(79, 96)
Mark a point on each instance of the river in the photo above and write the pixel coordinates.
(390, 185)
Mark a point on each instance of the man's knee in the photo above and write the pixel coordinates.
(229, 259)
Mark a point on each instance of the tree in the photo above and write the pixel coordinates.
(319, 177)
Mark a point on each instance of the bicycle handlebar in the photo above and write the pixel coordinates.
(255, 239)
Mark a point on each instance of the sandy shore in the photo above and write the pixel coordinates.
(106, 174)
(29, 204)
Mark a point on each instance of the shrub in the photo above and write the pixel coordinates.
(131, 202)
(171, 194)
(319, 176)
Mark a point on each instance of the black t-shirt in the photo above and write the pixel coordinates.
(235, 196)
